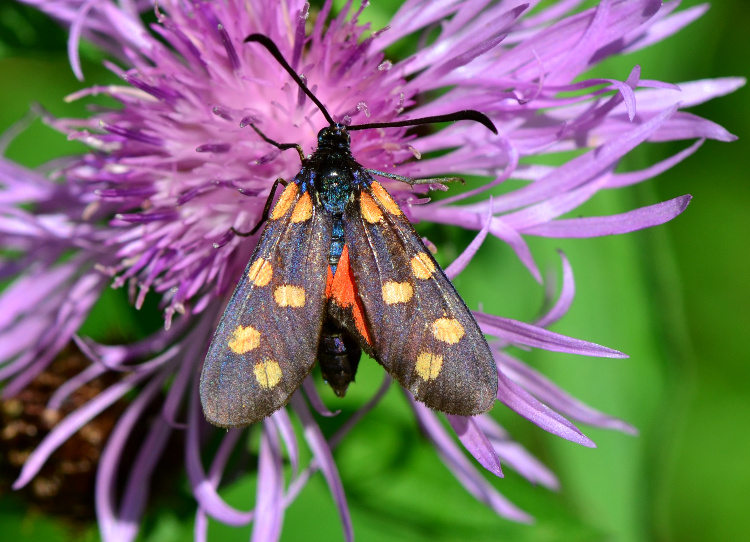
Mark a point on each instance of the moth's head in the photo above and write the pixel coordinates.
(335, 137)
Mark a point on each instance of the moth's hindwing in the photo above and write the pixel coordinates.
(267, 339)
(421, 330)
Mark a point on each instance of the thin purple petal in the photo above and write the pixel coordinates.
(544, 390)
(515, 455)
(114, 527)
(463, 259)
(312, 395)
(322, 453)
(476, 443)
(645, 217)
(269, 506)
(286, 430)
(138, 486)
(619, 180)
(524, 404)
(204, 488)
(567, 293)
(72, 423)
(462, 469)
(517, 332)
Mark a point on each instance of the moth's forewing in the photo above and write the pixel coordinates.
(267, 339)
(420, 328)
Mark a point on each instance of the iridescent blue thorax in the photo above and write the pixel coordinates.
(334, 175)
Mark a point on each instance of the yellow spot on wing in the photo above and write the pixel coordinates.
(428, 365)
(447, 330)
(267, 373)
(397, 292)
(289, 296)
(244, 339)
(385, 198)
(285, 201)
(422, 266)
(260, 272)
(370, 210)
(303, 209)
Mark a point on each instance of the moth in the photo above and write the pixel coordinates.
(338, 270)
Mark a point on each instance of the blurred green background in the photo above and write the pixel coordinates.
(674, 298)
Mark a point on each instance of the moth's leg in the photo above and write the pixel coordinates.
(408, 180)
(266, 210)
(282, 146)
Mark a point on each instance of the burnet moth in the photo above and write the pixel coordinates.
(339, 270)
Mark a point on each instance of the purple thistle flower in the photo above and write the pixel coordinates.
(169, 173)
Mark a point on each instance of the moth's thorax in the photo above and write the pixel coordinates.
(335, 169)
(334, 186)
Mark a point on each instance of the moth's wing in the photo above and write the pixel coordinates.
(420, 328)
(267, 339)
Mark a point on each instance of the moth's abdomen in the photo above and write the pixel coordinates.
(338, 356)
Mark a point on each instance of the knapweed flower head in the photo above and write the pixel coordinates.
(175, 170)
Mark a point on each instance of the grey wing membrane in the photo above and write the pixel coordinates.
(422, 331)
(267, 339)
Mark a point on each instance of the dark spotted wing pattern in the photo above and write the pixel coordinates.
(267, 340)
(421, 330)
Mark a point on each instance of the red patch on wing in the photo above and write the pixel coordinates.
(343, 290)
(329, 283)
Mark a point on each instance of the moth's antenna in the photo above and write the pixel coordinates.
(266, 42)
(466, 114)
